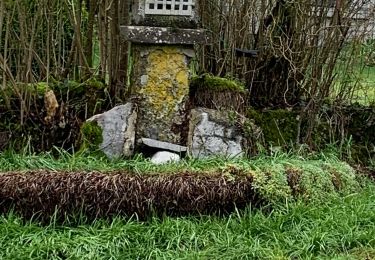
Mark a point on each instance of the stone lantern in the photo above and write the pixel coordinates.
(162, 35)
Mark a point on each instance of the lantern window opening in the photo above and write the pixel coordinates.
(170, 7)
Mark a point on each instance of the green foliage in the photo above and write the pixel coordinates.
(39, 88)
(77, 102)
(356, 73)
(95, 84)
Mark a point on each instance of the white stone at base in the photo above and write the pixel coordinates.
(165, 157)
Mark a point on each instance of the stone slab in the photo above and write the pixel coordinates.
(162, 145)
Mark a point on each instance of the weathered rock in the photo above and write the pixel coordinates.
(165, 157)
(162, 145)
(212, 134)
(118, 130)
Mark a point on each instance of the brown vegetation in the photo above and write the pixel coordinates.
(104, 195)
(304, 46)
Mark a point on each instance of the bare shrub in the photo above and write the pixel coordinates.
(305, 47)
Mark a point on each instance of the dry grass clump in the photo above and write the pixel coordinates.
(40, 194)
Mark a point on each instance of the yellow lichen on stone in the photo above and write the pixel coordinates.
(167, 81)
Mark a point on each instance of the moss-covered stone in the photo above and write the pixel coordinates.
(70, 86)
(94, 83)
(28, 125)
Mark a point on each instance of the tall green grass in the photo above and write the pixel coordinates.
(61, 160)
(340, 228)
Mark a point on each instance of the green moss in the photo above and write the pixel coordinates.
(310, 180)
(217, 84)
(70, 86)
(280, 127)
(91, 137)
(94, 84)
(42, 88)
(39, 88)
(5, 95)
(74, 87)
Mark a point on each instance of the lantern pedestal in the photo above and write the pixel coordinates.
(160, 84)
(162, 36)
